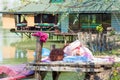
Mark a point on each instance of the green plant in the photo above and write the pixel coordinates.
(112, 32)
(115, 72)
(99, 28)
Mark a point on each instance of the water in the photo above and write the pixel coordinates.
(10, 54)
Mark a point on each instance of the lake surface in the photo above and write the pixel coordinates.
(10, 54)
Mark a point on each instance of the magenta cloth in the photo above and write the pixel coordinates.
(42, 36)
(15, 72)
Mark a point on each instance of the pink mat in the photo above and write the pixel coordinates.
(15, 72)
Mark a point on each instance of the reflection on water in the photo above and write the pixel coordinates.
(20, 54)
(29, 55)
(10, 54)
(0, 46)
(1, 56)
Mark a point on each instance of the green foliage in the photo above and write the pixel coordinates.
(11, 10)
(117, 65)
(0, 22)
(66, 76)
(112, 32)
(115, 73)
(99, 28)
(28, 44)
(25, 1)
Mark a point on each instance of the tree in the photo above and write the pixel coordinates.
(4, 3)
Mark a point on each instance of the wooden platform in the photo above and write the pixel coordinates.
(31, 31)
(70, 67)
(67, 37)
(64, 37)
(28, 32)
(89, 68)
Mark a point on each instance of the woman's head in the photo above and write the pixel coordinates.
(56, 54)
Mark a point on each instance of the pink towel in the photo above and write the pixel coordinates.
(15, 72)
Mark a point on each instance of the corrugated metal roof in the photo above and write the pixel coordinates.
(96, 7)
(87, 6)
(33, 7)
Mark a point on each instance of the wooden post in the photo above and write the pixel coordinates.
(90, 41)
(105, 41)
(53, 46)
(39, 75)
(55, 75)
(105, 75)
(39, 46)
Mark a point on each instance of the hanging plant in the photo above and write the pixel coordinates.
(99, 28)
(42, 36)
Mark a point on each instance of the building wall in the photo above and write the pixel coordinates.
(30, 20)
(8, 21)
(115, 22)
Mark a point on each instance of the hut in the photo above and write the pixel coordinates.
(67, 15)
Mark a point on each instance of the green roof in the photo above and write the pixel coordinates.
(87, 6)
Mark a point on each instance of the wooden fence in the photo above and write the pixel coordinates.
(98, 42)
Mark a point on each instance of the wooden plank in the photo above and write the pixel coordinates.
(31, 31)
(65, 34)
(64, 68)
(74, 67)
(61, 63)
(92, 70)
